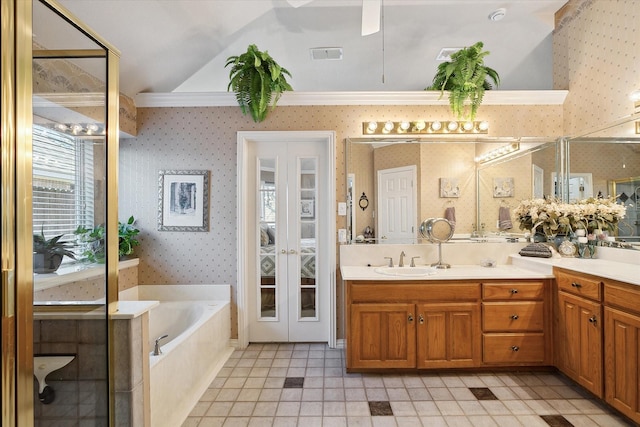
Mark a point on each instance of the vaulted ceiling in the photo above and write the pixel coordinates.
(182, 45)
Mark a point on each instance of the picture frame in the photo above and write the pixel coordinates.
(307, 208)
(183, 200)
(503, 187)
(449, 187)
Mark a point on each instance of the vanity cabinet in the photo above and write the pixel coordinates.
(622, 347)
(516, 323)
(413, 324)
(579, 329)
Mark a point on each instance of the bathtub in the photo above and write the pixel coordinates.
(197, 320)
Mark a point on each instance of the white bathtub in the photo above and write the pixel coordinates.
(197, 320)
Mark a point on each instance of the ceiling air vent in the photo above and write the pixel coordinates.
(326, 53)
(445, 53)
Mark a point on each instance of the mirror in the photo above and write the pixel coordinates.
(409, 180)
(437, 230)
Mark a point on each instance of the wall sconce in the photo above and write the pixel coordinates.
(424, 127)
(498, 152)
(363, 202)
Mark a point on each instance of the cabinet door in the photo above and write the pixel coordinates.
(449, 335)
(580, 341)
(382, 336)
(622, 362)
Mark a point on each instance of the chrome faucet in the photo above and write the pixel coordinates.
(401, 262)
(156, 348)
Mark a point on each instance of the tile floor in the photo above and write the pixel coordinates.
(307, 385)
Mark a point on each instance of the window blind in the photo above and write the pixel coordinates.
(63, 190)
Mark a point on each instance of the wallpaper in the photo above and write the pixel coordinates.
(205, 138)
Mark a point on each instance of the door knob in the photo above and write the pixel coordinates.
(514, 291)
(593, 319)
(515, 348)
(421, 319)
(410, 317)
(293, 251)
(515, 317)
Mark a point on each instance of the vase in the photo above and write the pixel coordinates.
(46, 263)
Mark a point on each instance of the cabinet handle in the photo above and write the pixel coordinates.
(515, 316)
(576, 285)
(593, 319)
(515, 348)
(410, 318)
(293, 252)
(421, 319)
(514, 291)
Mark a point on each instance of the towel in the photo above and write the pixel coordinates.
(450, 215)
(504, 218)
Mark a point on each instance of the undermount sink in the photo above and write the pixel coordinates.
(405, 271)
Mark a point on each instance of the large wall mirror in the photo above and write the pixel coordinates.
(407, 181)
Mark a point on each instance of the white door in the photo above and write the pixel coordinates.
(288, 281)
(397, 204)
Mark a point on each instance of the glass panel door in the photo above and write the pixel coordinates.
(267, 202)
(69, 178)
(308, 295)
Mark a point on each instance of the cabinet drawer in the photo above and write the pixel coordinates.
(513, 291)
(513, 316)
(623, 296)
(513, 348)
(578, 284)
(405, 292)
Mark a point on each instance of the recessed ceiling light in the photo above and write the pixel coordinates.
(326, 53)
(497, 14)
(446, 52)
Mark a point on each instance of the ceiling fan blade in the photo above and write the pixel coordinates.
(298, 3)
(371, 10)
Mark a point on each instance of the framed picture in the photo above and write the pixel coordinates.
(307, 208)
(183, 200)
(449, 187)
(503, 187)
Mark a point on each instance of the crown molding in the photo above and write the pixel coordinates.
(228, 99)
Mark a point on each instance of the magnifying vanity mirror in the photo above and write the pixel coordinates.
(597, 164)
(437, 230)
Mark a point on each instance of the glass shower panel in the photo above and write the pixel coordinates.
(308, 170)
(267, 218)
(69, 184)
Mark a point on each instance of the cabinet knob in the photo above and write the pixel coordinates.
(421, 319)
(576, 285)
(515, 316)
(515, 348)
(514, 291)
(593, 319)
(410, 318)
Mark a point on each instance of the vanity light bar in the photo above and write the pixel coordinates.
(424, 127)
(498, 152)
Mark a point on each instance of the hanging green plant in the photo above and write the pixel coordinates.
(257, 80)
(466, 78)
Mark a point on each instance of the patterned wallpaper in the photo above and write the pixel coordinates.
(596, 48)
(205, 138)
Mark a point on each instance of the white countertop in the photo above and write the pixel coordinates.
(456, 272)
(607, 269)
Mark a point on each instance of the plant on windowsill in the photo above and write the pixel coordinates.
(257, 80)
(48, 253)
(466, 78)
(93, 241)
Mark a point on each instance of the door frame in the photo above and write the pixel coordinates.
(244, 138)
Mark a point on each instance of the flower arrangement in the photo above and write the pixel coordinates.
(551, 216)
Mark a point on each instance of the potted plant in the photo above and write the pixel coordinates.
(466, 78)
(48, 253)
(93, 240)
(257, 80)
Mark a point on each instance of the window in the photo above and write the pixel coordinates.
(63, 183)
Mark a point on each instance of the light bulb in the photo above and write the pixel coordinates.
(420, 125)
(483, 125)
(467, 126)
(436, 126)
(452, 126)
(404, 126)
(388, 127)
(372, 126)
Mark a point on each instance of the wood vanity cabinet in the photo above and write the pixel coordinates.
(516, 323)
(622, 347)
(579, 328)
(413, 325)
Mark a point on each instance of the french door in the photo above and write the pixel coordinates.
(288, 275)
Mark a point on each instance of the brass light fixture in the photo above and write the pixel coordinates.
(498, 152)
(418, 127)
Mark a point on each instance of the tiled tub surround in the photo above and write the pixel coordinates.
(197, 319)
